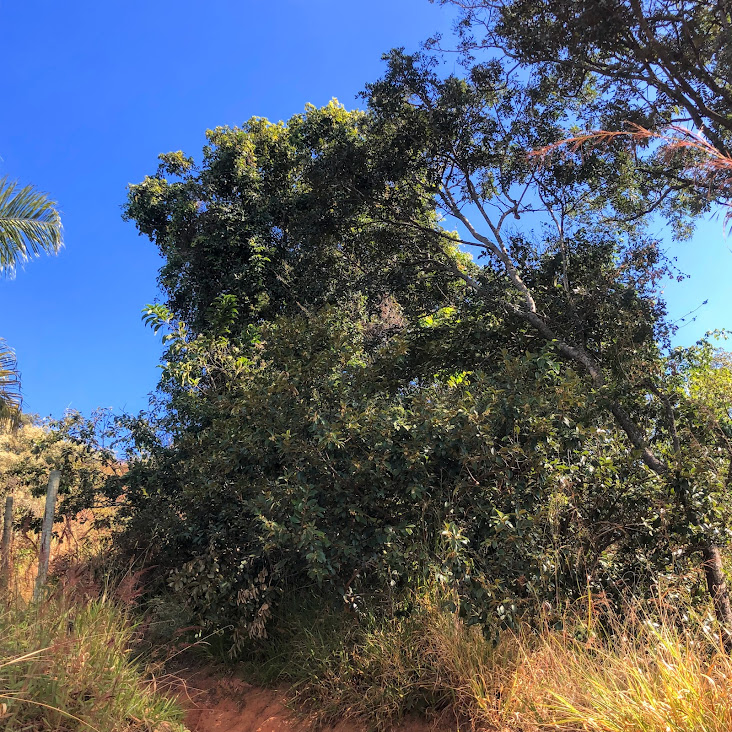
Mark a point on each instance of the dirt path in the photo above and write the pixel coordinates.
(216, 704)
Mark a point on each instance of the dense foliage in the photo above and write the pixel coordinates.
(356, 395)
(279, 219)
(293, 471)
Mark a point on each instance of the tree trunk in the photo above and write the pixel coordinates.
(7, 541)
(718, 591)
(44, 554)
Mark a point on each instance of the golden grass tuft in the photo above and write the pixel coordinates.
(645, 676)
(631, 675)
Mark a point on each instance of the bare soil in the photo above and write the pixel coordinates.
(215, 703)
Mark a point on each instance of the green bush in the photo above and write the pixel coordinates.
(289, 469)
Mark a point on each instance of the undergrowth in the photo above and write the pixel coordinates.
(645, 676)
(651, 668)
(65, 665)
(639, 672)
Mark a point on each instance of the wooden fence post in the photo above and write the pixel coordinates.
(7, 540)
(46, 532)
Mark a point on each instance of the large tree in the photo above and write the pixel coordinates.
(585, 289)
(651, 66)
(602, 313)
(652, 63)
(567, 265)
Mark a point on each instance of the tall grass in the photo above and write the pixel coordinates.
(66, 665)
(629, 674)
(644, 676)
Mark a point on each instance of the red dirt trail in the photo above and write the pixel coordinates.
(216, 704)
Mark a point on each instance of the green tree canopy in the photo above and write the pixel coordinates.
(559, 319)
(652, 63)
(280, 218)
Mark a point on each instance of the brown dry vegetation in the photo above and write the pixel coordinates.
(649, 672)
(66, 663)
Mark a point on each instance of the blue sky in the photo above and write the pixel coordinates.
(95, 90)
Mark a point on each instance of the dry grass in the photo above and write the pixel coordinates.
(645, 677)
(65, 661)
(637, 675)
(65, 665)
(618, 675)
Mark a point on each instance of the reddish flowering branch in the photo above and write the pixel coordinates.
(709, 168)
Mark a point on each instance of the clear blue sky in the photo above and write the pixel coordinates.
(95, 90)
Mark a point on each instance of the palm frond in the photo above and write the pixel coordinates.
(10, 396)
(30, 224)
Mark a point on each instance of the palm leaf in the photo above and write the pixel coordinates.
(29, 225)
(10, 396)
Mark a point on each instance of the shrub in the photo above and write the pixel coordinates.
(287, 468)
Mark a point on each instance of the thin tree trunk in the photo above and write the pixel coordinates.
(7, 541)
(718, 591)
(44, 555)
